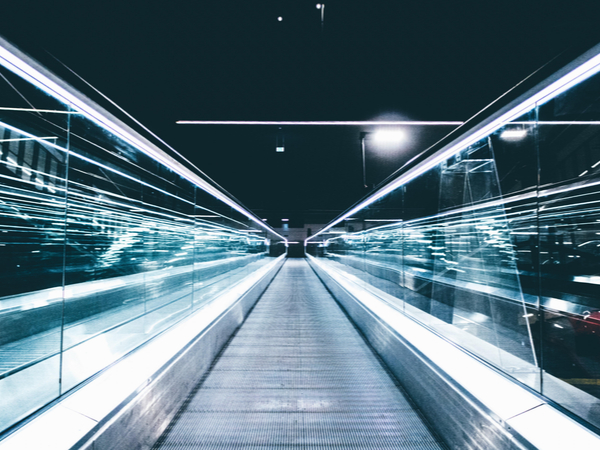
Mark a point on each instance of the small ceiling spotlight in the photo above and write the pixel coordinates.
(514, 134)
(280, 18)
(318, 6)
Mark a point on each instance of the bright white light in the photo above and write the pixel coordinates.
(280, 149)
(28, 139)
(513, 135)
(318, 6)
(54, 111)
(280, 18)
(389, 136)
(320, 122)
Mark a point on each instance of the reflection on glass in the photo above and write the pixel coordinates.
(32, 204)
(569, 248)
(102, 248)
(497, 247)
(458, 266)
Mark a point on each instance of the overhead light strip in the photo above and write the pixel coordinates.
(558, 122)
(321, 122)
(369, 122)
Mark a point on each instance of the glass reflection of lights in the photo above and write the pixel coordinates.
(551, 90)
(513, 134)
(493, 241)
(106, 240)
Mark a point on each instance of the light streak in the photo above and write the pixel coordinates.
(50, 111)
(56, 88)
(28, 139)
(322, 122)
(545, 94)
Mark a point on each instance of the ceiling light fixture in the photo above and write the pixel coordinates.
(514, 134)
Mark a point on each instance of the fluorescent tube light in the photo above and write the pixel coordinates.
(514, 134)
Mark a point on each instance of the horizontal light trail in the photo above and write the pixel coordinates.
(28, 139)
(556, 122)
(50, 111)
(319, 122)
(373, 122)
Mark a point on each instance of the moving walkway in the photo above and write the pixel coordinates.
(298, 374)
(457, 304)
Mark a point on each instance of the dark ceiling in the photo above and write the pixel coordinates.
(164, 61)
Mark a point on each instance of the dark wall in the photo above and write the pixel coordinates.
(296, 250)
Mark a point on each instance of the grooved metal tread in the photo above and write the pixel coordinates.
(297, 375)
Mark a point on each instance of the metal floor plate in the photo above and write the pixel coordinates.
(297, 375)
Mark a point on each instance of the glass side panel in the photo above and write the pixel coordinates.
(33, 158)
(103, 247)
(441, 248)
(569, 253)
(381, 223)
(513, 149)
